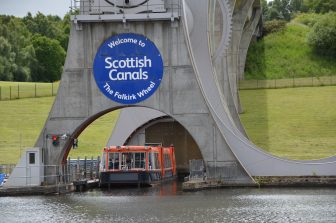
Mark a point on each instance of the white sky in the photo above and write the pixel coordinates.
(20, 8)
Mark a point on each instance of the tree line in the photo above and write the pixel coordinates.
(33, 48)
(287, 9)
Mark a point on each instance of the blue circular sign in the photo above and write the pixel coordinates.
(128, 68)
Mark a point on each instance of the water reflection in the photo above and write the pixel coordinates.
(168, 203)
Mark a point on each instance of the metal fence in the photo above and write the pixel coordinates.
(112, 7)
(7, 168)
(287, 83)
(197, 170)
(83, 168)
(73, 170)
(27, 90)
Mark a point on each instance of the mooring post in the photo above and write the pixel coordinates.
(91, 168)
(69, 170)
(97, 170)
(78, 169)
(85, 167)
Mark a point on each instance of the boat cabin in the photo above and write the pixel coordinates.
(137, 164)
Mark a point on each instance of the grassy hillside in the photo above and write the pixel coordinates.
(22, 120)
(296, 123)
(286, 54)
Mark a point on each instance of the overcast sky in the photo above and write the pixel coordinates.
(20, 8)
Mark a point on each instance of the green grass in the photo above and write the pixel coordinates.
(294, 123)
(15, 90)
(286, 54)
(22, 121)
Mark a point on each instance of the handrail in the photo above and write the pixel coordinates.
(100, 7)
(59, 174)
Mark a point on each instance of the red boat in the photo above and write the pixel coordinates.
(139, 165)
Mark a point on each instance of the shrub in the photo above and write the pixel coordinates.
(323, 35)
(273, 26)
(308, 19)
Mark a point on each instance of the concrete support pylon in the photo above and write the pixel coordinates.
(79, 101)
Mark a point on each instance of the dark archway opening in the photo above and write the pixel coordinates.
(173, 133)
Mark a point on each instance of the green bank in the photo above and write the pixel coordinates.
(23, 119)
(286, 54)
(295, 123)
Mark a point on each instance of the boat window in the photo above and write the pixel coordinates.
(167, 160)
(126, 161)
(154, 161)
(114, 163)
(139, 161)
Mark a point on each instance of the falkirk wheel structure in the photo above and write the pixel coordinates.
(172, 68)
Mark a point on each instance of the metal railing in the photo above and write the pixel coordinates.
(73, 170)
(31, 175)
(113, 7)
(79, 169)
(7, 168)
(27, 90)
(197, 170)
(288, 82)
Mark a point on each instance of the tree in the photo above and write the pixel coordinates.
(49, 26)
(16, 35)
(283, 7)
(296, 5)
(323, 35)
(265, 9)
(277, 9)
(50, 57)
(318, 6)
(23, 58)
(7, 58)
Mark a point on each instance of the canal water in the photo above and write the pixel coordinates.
(168, 203)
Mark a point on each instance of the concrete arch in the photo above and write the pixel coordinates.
(68, 145)
(152, 126)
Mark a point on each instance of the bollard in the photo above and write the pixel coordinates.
(85, 167)
(91, 168)
(69, 171)
(78, 169)
(97, 170)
